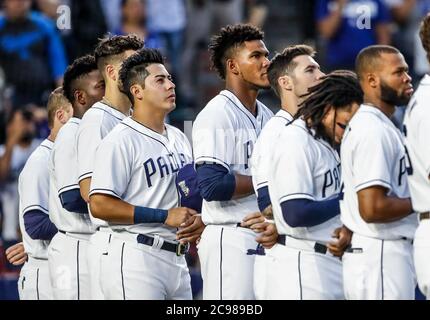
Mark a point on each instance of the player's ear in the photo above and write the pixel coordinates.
(232, 66)
(137, 91)
(110, 72)
(372, 80)
(80, 97)
(285, 82)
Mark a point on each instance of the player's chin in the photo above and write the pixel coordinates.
(171, 106)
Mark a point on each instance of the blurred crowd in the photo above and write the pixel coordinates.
(39, 38)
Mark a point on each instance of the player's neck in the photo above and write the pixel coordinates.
(151, 119)
(247, 96)
(386, 108)
(117, 100)
(289, 103)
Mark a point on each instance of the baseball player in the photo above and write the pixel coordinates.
(83, 86)
(290, 74)
(133, 189)
(376, 204)
(415, 130)
(33, 187)
(304, 184)
(224, 135)
(96, 123)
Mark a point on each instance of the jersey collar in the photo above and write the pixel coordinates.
(425, 80)
(148, 131)
(376, 111)
(75, 120)
(112, 110)
(285, 114)
(256, 120)
(47, 143)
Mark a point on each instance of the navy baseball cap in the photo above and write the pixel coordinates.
(186, 182)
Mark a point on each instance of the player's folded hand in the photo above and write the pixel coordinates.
(190, 230)
(269, 236)
(16, 254)
(177, 216)
(343, 239)
(251, 219)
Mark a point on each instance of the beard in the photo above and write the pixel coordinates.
(390, 96)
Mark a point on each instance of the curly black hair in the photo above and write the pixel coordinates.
(78, 69)
(338, 89)
(230, 37)
(111, 48)
(282, 63)
(133, 69)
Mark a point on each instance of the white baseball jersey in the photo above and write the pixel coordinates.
(139, 166)
(416, 128)
(373, 154)
(33, 188)
(261, 159)
(96, 123)
(63, 172)
(9, 189)
(303, 167)
(224, 133)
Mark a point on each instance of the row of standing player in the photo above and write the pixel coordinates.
(68, 257)
(304, 186)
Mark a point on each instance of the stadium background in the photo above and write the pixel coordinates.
(31, 66)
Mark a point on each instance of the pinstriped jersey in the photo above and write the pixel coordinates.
(224, 133)
(261, 159)
(373, 154)
(416, 129)
(139, 166)
(96, 123)
(63, 173)
(33, 190)
(303, 167)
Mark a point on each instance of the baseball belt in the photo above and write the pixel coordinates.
(424, 215)
(300, 244)
(176, 247)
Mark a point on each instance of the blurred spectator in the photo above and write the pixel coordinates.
(348, 26)
(407, 15)
(204, 18)
(20, 143)
(31, 53)
(257, 12)
(133, 20)
(112, 13)
(48, 7)
(166, 21)
(88, 25)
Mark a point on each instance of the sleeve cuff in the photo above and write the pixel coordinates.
(200, 160)
(104, 191)
(371, 183)
(293, 196)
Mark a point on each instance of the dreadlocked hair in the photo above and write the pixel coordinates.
(425, 35)
(338, 89)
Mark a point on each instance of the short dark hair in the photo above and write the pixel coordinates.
(282, 63)
(425, 35)
(78, 69)
(337, 89)
(133, 69)
(368, 57)
(221, 45)
(112, 48)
